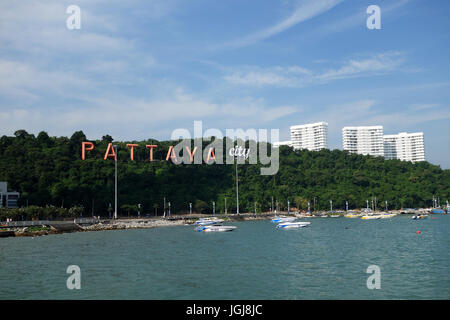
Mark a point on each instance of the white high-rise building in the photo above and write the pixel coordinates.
(404, 146)
(366, 140)
(312, 136)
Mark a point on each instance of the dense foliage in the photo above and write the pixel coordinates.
(49, 171)
(40, 213)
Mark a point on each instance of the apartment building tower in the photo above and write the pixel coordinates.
(366, 140)
(312, 136)
(404, 146)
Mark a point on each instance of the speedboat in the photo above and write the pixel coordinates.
(208, 221)
(387, 215)
(215, 228)
(283, 219)
(352, 215)
(289, 225)
(371, 217)
(419, 216)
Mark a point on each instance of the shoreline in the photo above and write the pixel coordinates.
(59, 227)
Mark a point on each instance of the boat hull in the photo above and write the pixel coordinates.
(370, 217)
(215, 228)
(283, 219)
(292, 225)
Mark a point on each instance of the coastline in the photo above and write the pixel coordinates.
(59, 227)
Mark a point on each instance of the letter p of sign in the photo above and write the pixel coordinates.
(74, 281)
(374, 281)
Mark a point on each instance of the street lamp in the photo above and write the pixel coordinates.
(190, 208)
(169, 208)
(237, 187)
(271, 207)
(115, 181)
(214, 208)
(346, 205)
(288, 207)
(331, 205)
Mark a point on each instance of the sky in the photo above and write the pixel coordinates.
(141, 69)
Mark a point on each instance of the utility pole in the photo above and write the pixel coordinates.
(225, 205)
(385, 202)
(309, 207)
(214, 208)
(190, 208)
(288, 207)
(169, 208)
(331, 205)
(346, 205)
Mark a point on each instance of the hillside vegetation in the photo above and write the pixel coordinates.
(49, 171)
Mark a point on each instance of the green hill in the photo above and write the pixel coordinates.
(49, 171)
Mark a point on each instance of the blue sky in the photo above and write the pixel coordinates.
(140, 69)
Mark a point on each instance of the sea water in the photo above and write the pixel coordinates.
(326, 260)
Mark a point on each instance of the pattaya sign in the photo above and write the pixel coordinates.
(190, 151)
(111, 152)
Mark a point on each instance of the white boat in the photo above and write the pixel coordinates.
(353, 215)
(387, 215)
(419, 216)
(283, 219)
(289, 225)
(371, 217)
(215, 228)
(208, 221)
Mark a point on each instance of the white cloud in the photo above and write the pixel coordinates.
(100, 115)
(307, 9)
(297, 77)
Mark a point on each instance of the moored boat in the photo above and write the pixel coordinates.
(385, 215)
(215, 228)
(208, 221)
(371, 217)
(353, 215)
(419, 216)
(283, 219)
(290, 225)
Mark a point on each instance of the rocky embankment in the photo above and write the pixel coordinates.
(132, 224)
